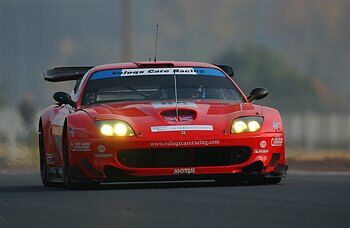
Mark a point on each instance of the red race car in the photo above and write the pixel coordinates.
(158, 121)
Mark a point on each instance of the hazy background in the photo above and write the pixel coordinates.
(299, 50)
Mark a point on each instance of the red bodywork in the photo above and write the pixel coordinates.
(95, 157)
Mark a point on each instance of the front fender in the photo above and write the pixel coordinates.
(273, 124)
(272, 120)
(45, 129)
(80, 126)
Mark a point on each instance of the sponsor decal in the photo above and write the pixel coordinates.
(261, 151)
(101, 148)
(156, 72)
(262, 158)
(80, 146)
(185, 143)
(182, 128)
(263, 144)
(182, 171)
(73, 130)
(275, 125)
(173, 104)
(277, 141)
(182, 118)
(103, 155)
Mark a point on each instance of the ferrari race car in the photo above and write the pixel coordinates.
(158, 121)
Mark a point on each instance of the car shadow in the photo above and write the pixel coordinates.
(159, 185)
(125, 186)
(29, 188)
(122, 186)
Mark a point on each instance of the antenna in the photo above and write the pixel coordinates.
(176, 108)
(155, 47)
(149, 52)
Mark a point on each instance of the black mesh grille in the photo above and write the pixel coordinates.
(184, 157)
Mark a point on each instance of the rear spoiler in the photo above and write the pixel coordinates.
(60, 74)
(227, 69)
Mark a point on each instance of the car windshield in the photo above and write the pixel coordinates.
(158, 84)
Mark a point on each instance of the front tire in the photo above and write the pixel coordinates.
(67, 173)
(43, 162)
(66, 165)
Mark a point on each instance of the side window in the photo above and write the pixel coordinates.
(77, 88)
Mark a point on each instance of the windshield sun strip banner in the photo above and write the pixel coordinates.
(182, 128)
(156, 72)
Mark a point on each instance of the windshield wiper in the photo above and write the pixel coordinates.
(139, 92)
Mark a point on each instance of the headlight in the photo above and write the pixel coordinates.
(106, 129)
(246, 124)
(114, 128)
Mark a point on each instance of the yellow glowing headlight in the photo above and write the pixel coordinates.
(239, 126)
(106, 129)
(114, 128)
(253, 126)
(121, 129)
(246, 124)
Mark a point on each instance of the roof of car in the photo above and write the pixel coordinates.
(151, 64)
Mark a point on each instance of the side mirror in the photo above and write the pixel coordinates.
(63, 98)
(257, 94)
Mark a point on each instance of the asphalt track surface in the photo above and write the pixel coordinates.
(302, 200)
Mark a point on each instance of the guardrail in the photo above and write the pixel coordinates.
(313, 131)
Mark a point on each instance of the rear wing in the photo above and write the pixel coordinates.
(60, 74)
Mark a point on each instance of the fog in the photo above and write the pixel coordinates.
(311, 39)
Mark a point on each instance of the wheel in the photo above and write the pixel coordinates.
(264, 181)
(66, 165)
(43, 163)
(67, 174)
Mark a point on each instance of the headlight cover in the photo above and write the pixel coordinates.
(114, 128)
(246, 124)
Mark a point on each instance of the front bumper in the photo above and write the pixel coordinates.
(100, 162)
(116, 175)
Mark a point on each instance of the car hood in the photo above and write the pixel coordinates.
(145, 118)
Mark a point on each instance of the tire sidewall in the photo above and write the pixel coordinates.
(66, 164)
(43, 162)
